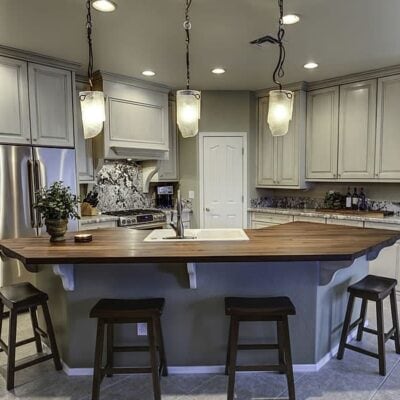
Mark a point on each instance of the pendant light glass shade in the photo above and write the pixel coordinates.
(280, 111)
(188, 112)
(93, 112)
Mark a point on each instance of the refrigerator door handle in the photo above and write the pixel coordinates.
(31, 180)
(39, 178)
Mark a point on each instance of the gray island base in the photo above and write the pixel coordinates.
(194, 323)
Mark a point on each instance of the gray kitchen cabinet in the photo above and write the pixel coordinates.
(387, 160)
(84, 147)
(14, 102)
(169, 169)
(136, 123)
(322, 134)
(357, 127)
(51, 106)
(281, 160)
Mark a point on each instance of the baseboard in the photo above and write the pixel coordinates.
(220, 369)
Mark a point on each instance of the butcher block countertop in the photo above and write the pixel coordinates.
(297, 241)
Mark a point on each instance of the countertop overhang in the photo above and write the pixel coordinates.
(296, 241)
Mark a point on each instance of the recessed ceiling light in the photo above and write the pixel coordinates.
(148, 73)
(310, 65)
(290, 19)
(218, 71)
(104, 5)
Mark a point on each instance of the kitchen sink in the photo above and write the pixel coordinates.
(168, 235)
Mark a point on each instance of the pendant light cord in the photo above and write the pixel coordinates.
(279, 71)
(187, 25)
(89, 38)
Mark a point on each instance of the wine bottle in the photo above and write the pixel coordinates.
(354, 200)
(363, 200)
(348, 199)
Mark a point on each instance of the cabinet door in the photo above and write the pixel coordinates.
(169, 169)
(84, 147)
(51, 105)
(267, 162)
(14, 103)
(387, 162)
(322, 133)
(261, 225)
(357, 119)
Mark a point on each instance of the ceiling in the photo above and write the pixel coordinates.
(343, 36)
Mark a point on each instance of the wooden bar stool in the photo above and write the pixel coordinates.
(122, 311)
(373, 288)
(274, 309)
(16, 298)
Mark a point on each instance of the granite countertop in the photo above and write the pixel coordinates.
(395, 219)
(94, 219)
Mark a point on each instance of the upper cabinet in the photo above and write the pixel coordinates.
(136, 123)
(14, 102)
(51, 106)
(357, 121)
(387, 160)
(169, 169)
(280, 161)
(322, 133)
(37, 102)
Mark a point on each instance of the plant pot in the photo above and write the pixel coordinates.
(56, 228)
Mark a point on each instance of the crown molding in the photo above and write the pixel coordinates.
(30, 56)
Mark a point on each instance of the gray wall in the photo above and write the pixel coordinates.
(221, 111)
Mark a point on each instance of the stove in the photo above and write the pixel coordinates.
(140, 218)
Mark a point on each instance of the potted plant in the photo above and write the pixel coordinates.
(57, 204)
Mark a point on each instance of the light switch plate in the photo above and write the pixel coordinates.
(191, 194)
(142, 329)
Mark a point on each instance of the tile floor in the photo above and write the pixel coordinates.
(354, 378)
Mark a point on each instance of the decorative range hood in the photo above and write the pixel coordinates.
(149, 169)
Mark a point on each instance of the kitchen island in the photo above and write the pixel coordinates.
(313, 264)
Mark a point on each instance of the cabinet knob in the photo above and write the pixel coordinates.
(207, 209)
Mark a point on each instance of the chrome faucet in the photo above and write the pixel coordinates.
(178, 227)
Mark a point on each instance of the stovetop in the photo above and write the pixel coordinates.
(138, 217)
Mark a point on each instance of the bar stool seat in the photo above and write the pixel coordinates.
(261, 305)
(123, 311)
(18, 297)
(371, 288)
(276, 309)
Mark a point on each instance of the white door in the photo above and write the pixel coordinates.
(223, 181)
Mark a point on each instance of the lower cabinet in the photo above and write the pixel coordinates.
(260, 220)
(347, 222)
(97, 225)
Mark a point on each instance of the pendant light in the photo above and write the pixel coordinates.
(188, 100)
(92, 102)
(280, 108)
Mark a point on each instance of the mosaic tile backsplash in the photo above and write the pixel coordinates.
(312, 203)
(120, 187)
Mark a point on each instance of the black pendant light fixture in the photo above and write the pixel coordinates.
(188, 100)
(92, 102)
(280, 108)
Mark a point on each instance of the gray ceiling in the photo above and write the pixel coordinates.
(343, 36)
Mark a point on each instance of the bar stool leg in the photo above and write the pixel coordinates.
(346, 325)
(35, 326)
(228, 352)
(12, 339)
(395, 318)
(52, 338)
(281, 350)
(363, 314)
(381, 337)
(233, 342)
(163, 358)
(288, 358)
(153, 360)
(110, 352)
(98, 355)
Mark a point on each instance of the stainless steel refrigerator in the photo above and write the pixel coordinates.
(23, 170)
